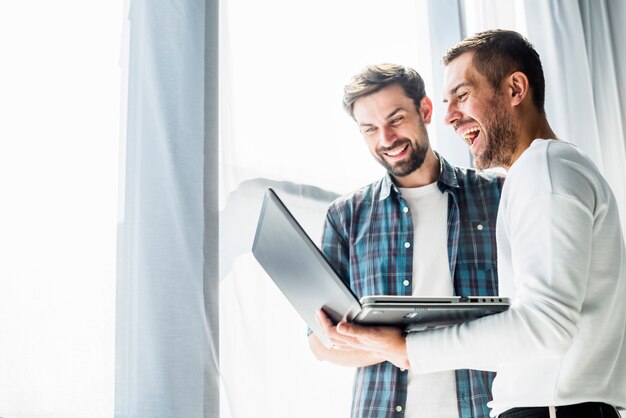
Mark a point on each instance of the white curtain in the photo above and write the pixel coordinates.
(583, 56)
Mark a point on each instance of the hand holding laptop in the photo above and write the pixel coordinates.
(386, 341)
(337, 341)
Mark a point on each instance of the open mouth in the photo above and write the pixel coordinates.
(396, 151)
(470, 135)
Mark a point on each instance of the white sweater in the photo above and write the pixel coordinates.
(561, 259)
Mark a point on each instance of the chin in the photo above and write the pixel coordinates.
(480, 164)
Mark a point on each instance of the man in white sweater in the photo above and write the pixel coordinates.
(560, 350)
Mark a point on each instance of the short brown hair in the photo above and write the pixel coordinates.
(498, 53)
(376, 77)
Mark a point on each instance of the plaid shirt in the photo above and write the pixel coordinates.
(364, 240)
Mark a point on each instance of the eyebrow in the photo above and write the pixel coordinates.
(389, 116)
(454, 89)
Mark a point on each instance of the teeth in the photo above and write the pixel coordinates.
(470, 134)
(395, 152)
(470, 131)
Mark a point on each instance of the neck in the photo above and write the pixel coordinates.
(428, 173)
(533, 127)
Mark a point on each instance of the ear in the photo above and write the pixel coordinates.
(517, 87)
(426, 109)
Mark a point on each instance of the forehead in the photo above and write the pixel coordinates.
(382, 102)
(461, 72)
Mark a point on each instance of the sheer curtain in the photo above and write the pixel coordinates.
(583, 62)
(163, 351)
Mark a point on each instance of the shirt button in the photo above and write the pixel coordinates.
(399, 408)
(406, 282)
(407, 245)
(479, 227)
(405, 209)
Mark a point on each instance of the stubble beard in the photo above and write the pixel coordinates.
(501, 143)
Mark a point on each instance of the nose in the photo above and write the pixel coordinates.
(452, 114)
(387, 136)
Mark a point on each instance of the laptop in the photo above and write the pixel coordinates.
(302, 273)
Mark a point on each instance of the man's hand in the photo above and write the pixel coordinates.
(388, 343)
(338, 341)
(340, 353)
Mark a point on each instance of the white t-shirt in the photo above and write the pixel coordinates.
(431, 395)
(561, 258)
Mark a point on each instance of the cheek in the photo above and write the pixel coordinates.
(472, 111)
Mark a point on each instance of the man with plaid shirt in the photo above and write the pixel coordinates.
(426, 228)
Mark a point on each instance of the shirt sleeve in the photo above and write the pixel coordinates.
(335, 248)
(335, 245)
(550, 233)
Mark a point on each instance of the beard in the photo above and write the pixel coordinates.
(415, 159)
(501, 142)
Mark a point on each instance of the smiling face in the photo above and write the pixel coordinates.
(479, 114)
(394, 130)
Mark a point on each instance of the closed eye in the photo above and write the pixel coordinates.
(368, 130)
(396, 121)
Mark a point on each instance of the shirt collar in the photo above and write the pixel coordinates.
(447, 175)
(447, 179)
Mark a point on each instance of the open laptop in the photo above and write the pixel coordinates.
(304, 276)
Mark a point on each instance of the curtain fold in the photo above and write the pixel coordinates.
(576, 41)
(603, 37)
(162, 332)
(445, 14)
(211, 208)
(556, 30)
(617, 12)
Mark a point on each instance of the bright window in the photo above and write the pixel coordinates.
(59, 159)
(283, 68)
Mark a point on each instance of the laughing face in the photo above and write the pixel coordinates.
(479, 114)
(394, 130)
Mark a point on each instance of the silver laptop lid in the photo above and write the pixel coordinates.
(298, 268)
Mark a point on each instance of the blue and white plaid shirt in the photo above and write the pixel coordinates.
(364, 240)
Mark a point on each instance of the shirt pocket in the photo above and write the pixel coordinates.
(477, 258)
